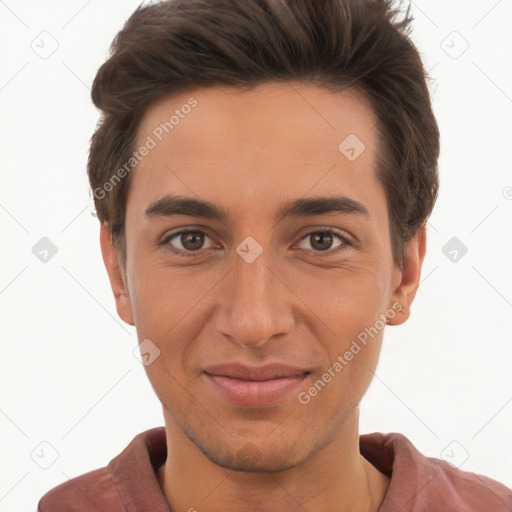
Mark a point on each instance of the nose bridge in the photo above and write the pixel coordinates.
(254, 306)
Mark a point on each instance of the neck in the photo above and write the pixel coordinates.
(337, 478)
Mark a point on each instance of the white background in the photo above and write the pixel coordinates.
(68, 373)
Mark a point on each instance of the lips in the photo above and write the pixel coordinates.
(255, 373)
(254, 386)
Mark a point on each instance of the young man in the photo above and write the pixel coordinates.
(263, 173)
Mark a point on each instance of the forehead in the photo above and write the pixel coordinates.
(260, 145)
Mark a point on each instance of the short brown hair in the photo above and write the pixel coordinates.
(179, 45)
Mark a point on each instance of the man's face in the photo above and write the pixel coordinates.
(320, 280)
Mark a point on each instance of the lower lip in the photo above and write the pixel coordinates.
(251, 393)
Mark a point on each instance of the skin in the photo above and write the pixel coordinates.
(249, 152)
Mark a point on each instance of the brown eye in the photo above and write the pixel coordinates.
(322, 241)
(192, 241)
(186, 242)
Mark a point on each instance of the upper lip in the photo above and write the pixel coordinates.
(256, 373)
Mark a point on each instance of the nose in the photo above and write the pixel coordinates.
(256, 303)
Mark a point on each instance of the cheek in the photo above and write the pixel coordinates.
(163, 298)
(348, 378)
(170, 309)
(348, 305)
(346, 300)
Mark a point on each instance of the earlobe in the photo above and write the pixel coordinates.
(405, 292)
(117, 282)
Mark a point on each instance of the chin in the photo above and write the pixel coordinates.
(251, 459)
(255, 452)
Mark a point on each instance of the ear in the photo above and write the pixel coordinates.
(404, 294)
(117, 282)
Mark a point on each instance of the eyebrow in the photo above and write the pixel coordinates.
(170, 205)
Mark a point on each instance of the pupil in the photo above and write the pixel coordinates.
(322, 236)
(191, 237)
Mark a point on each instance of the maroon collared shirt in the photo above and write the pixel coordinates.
(129, 482)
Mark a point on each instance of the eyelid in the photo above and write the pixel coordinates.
(327, 229)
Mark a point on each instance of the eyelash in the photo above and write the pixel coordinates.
(329, 252)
